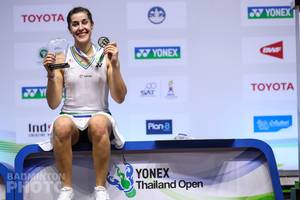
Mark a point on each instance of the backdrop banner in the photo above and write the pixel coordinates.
(209, 174)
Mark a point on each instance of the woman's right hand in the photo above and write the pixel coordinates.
(48, 61)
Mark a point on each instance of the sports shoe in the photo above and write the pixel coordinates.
(66, 193)
(101, 193)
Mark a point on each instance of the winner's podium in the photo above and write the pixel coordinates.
(177, 169)
(7, 181)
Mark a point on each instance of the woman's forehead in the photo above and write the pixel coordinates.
(79, 16)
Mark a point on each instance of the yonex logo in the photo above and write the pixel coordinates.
(156, 15)
(274, 12)
(172, 52)
(275, 50)
(34, 92)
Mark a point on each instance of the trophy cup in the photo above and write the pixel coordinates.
(59, 47)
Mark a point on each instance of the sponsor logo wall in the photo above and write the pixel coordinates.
(222, 75)
(269, 81)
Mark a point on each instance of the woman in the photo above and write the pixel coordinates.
(87, 83)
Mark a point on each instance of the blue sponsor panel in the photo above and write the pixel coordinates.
(271, 123)
(159, 127)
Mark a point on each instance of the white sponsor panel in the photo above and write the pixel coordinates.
(29, 56)
(144, 90)
(267, 13)
(270, 87)
(40, 18)
(31, 94)
(154, 53)
(180, 124)
(33, 128)
(156, 15)
(158, 89)
(265, 123)
(268, 50)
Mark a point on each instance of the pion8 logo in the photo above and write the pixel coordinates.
(158, 127)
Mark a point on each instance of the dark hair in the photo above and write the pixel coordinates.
(78, 10)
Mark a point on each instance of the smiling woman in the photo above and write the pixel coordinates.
(80, 25)
(85, 115)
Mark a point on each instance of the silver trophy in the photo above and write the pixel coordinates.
(59, 47)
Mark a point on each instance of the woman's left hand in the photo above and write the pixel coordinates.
(112, 52)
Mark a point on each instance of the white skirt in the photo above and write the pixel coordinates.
(81, 122)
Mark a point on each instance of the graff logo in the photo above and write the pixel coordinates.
(156, 15)
(34, 18)
(43, 52)
(123, 181)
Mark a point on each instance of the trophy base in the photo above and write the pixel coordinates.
(59, 66)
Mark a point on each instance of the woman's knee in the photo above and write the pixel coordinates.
(99, 126)
(63, 128)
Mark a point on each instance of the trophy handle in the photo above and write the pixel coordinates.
(59, 66)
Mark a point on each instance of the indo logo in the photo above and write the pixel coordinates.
(38, 128)
(274, 12)
(158, 127)
(34, 92)
(274, 49)
(172, 52)
(123, 180)
(271, 123)
(156, 15)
